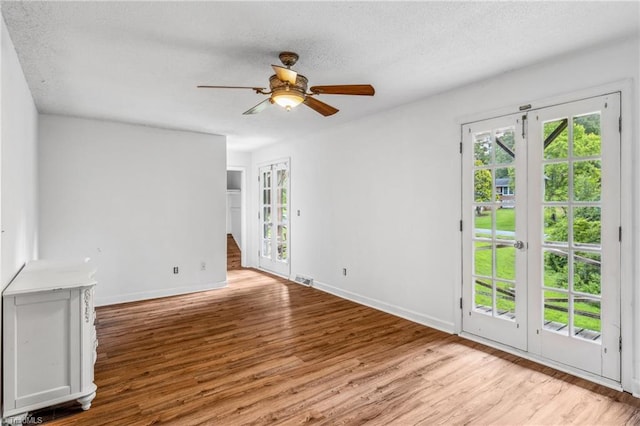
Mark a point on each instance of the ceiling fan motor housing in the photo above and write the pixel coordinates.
(278, 86)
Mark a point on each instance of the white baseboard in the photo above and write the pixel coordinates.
(426, 320)
(155, 294)
(636, 388)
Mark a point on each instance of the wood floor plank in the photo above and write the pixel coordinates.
(233, 253)
(267, 351)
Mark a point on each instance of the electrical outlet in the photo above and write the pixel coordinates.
(175, 269)
(203, 266)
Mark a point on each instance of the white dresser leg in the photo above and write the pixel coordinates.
(85, 401)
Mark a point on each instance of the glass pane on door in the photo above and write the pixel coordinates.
(265, 209)
(586, 317)
(571, 244)
(282, 208)
(494, 207)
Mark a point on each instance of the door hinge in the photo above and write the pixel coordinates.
(620, 343)
(461, 303)
(620, 233)
(460, 226)
(619, 124)
(258, 214)
(460, 147)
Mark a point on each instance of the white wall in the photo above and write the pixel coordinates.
(138, 200)
(381, 196)
(238, 158)
(18, 172)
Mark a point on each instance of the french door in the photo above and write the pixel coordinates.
(495, 260)
(274, 246)
(541, 262)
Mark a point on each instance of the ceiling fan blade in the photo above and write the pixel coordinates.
(257, 89)
(258, 108)
(344, 89)
(285, 74)
(319, 106)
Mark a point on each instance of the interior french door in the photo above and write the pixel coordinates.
(542, 261)
(274, 246)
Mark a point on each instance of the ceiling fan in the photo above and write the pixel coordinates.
(288, 89)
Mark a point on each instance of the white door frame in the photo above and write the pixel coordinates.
(630, 203)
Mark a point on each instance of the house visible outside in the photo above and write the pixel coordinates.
(505, 192)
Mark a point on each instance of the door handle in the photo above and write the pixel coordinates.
(519, 245)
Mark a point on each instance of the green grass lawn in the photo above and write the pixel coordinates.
(505, 220)
(505, 261)
(505, 270)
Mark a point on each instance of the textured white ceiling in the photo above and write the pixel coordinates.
(140, 62)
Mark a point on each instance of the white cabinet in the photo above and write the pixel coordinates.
(49, 338)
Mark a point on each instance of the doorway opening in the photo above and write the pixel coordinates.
(235, 196)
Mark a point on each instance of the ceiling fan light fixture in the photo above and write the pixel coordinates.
(287, 98)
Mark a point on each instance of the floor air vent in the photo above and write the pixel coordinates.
(304, 280)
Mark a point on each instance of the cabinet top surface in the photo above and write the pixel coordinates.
(47, 275)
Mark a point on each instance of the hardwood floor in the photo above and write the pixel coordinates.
(268, 351)
(233, 253)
